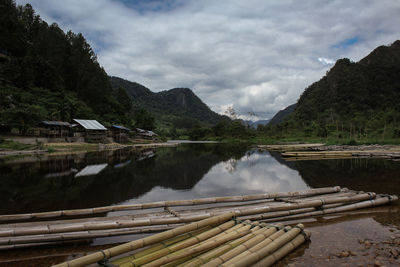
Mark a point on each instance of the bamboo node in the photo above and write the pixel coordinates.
(302, 232)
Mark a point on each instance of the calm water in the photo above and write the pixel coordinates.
(184, 172)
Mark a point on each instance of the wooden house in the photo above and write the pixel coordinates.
(54, 129)
(90, 130)
(120, 133)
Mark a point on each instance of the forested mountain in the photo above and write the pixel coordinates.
(48, 74)
(133, 89)
(282, 114)
(359, 98)
(175, 103)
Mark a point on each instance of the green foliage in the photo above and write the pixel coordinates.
(51, 74)
(353, 102)
(12, 145)
(143, 119)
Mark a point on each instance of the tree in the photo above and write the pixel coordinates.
(143, 119)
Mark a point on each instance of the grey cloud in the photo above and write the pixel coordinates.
(255, 55)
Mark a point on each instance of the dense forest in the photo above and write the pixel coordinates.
(354, 101)
(48, 74)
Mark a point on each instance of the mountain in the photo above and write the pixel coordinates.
(176, 103)
(282, 114)
(357, 97)
(133, 89)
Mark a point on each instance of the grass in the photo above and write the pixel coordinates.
(12, 145)
(53, 147)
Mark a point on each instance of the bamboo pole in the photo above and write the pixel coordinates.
(176, 248)
(207, 245)
(190, 257)
(185, 212)
(263, 249)
(163, 250)
(305, 204)
(162, 204)
(114, 251)
(381, 200)
(33, 240)
(161, 245)
(268, 234)
(283, 251)
(203, 258)
(64, 228)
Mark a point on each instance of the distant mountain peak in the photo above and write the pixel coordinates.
(180, 101)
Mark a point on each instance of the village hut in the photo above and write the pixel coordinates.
(144, 134)
(120, 133)
(54, 129)
(90, 130)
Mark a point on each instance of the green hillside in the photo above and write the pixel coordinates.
(354, 100)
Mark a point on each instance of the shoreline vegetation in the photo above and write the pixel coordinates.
(294, 150)
(12, 148)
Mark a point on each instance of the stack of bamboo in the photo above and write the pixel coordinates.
(220, 240)
(269, 207)
(290, 147)
(318, 155)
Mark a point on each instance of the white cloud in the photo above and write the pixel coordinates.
(258, 55)
(326, 61)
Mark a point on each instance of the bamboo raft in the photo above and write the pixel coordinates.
(35, 229)
(318, 155)
(290, 147)
(217, 241)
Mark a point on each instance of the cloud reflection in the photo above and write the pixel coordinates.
(256, 173)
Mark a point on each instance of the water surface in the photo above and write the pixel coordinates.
(189, 171)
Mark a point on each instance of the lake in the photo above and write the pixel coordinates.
(42, 183)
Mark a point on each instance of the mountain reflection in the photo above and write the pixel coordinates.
(52, 184)
(183, 172)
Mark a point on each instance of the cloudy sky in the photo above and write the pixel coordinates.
(255, 55)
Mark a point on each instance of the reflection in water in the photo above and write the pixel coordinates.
(203, 170)
(28, 184)
(91, 170)
(364, 174)
(183, 172)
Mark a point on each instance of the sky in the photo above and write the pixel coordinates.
(255, 56)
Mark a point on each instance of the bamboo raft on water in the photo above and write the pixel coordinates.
(217, 241)
(62, 226)
(290, 147)
(317, 155)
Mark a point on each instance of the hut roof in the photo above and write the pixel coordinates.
(91, 124)
(121, 127)
(55, 123)
(145, 132)
(91, 170)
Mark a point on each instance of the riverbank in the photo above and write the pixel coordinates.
(12, 148)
